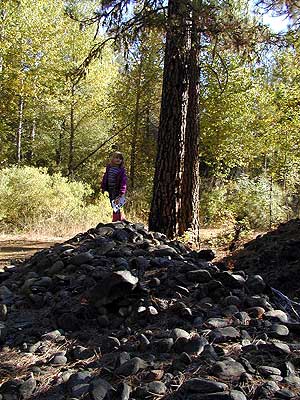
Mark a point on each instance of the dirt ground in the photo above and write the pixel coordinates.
(14, 249)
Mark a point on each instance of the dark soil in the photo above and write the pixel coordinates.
(275, 256)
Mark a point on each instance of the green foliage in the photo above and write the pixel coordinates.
(256, 203)
(250, 120)
(61, 119)
(30, 197)
(213, 205)
(135, 101)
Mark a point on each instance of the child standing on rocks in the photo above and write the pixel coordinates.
(114, 182)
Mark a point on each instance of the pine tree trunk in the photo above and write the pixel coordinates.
(166, 200)
(189, 217)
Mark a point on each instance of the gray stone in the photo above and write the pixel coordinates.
(255, 284)
(237, 395)
(51, 335)
(3, 332)
(207, 255)
(33, 347)
(163, 345)
(285, 394)
(131, 367)
(287, 369)
(78, 383)
(194, 345)
(278, 315)
(6, 295)
(221, 335)
(275, 348)
(232, 395)
(198, 385)
(9, 389)
(227, 369)
(266, 390)
(123, 357)
(82, 353)
(257, 301)
(293, 380)
(164, 251)
(27, 388)
(199, 276)
(217, 323)
(123, 391)
(144, 342)
(232, 281)
(99, 388)
(82, 258)
(120, 235)
(56, 267)
(232, 301)
(43, 282)
(59, 359)
(179, 333)
(109, 344)
(105, 231)
(229, 311)
(116, 285)
(266, 370)
(156, 387)
(79, 390)
(241, 318)
(209, 353)
(3, 312)
(68, 322)
(278, 330)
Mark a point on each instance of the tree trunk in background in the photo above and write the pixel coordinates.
(189, 216)
(58, 150)
(135, 128)
(166, 200)
(72, 133)
(32, 140)
(20, 129)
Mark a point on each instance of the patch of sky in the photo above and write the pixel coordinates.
(278, 22)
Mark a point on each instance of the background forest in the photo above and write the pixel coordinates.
(57, 130)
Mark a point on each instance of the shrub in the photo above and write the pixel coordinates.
(31, 199)
(254, 202)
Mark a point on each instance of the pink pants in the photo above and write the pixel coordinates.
(118, 216)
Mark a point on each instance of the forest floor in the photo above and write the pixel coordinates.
(15, 248)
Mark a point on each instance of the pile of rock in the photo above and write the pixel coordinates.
(275, 256)
(122, 313)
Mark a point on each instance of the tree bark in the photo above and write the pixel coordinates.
(189, 216)
(169, 167)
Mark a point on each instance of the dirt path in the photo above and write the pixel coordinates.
(15, 250)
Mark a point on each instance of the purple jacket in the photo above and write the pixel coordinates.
(121, 180)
